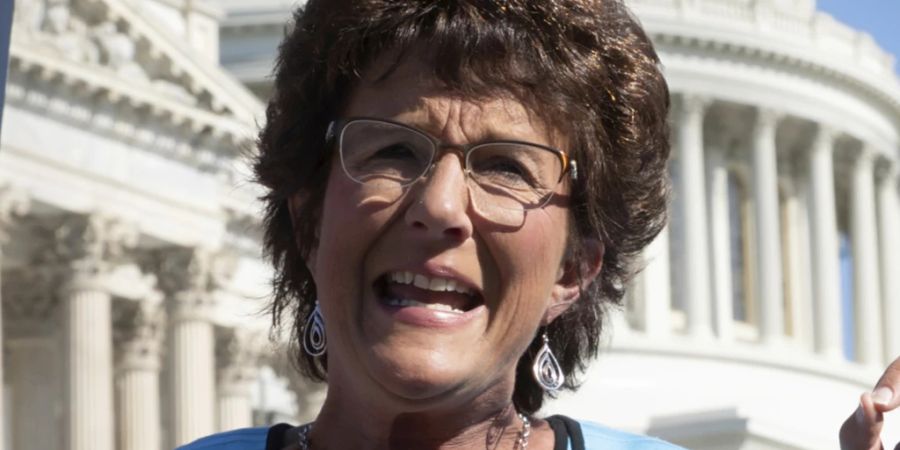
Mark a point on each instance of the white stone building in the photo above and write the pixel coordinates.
(132, 281)
(131, 271)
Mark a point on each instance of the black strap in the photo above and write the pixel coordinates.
(564, 430)
(275, 438)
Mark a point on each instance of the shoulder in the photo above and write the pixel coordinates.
(600, 437)
(243, 439)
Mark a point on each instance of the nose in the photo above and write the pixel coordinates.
(440, 202)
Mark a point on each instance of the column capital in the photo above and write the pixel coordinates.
(824, 139)
(864, 156)
(191, 269)
(887, 171)
(238, 354)
(82, 249)
(139, 327)
(766, 119)
(694, 103)
(189, 276)
(14, 202)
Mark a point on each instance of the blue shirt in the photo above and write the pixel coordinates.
(596, 437)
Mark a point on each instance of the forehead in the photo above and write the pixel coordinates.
(411, 94)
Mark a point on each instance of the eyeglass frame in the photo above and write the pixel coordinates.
(441, 147)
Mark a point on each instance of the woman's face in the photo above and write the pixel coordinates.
(415, 352)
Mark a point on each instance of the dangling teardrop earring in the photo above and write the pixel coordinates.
(546, 369)
(314, 333)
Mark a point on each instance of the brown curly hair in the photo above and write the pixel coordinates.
(586, 67)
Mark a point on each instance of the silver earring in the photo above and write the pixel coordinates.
(546, 369)
(314, 333)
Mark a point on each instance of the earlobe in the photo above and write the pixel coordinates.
(573, 277)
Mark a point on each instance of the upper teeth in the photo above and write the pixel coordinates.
(434, 306)
(432, 284)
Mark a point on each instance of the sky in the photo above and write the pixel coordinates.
(880, 18)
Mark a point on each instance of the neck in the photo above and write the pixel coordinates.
(478, 426)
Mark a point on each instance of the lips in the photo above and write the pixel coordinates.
(404, 289)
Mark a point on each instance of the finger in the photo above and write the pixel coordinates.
(885, 395)
(862, 430)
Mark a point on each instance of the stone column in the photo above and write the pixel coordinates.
(769, 290)
(238, 353)
(90, 245)
(864, 239)
(795, 267)
(34, 396)
(137, 380)
(828, 335)
(720, 251)
(235, 410)
(804, 322)
(694, 258)
(655, 286)
(33, 333)
(88, 357)
(193, 367)
(188, 278)
(889, 227)
(13, 202)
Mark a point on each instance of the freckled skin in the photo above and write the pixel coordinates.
(449, 382)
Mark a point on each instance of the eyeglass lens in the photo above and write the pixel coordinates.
(504, 179)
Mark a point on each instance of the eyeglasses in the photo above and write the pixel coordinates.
(504, 178)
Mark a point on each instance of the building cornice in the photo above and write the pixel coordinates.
(112, 37)
(814, 43)
(204, 79)
(137, 94)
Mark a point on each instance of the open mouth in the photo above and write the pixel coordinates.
(405, 289)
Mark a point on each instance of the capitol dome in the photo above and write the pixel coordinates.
(785, 171)
(131, 309)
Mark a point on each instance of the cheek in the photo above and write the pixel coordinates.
(343, 234)
(540, 243)
(541, 265)
(528, 259)
(350, 226)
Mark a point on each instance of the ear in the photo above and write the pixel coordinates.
(573, 277)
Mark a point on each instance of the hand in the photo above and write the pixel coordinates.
(862, 430)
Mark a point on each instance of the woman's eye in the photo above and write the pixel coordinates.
(395, 151)
(504, 169)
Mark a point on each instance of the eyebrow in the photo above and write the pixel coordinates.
(491, 134)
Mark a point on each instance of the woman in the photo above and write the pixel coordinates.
(456, 192)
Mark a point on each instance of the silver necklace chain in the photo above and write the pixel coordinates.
(521, 441)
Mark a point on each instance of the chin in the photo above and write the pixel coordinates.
(418, 380)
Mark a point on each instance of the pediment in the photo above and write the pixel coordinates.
(109, 46)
